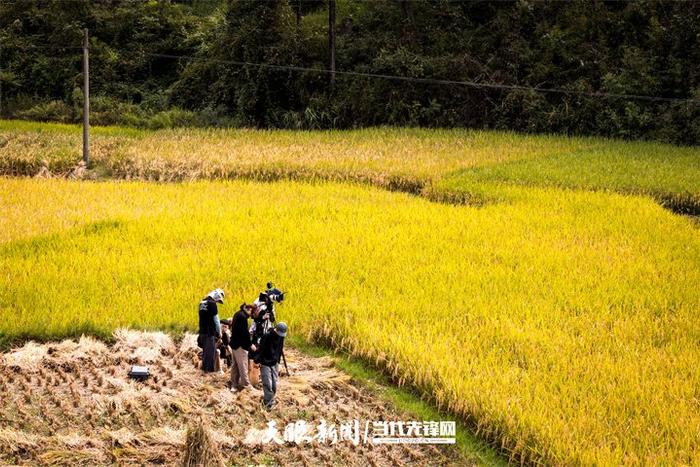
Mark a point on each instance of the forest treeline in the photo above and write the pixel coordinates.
(649, 48)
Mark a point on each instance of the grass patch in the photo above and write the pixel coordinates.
(578, 300)
(670, 177)
(27, 126)
(405, 400)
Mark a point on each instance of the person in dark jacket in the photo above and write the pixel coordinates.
(268, 356)
(261, 326)
(240, 345)
(209, 329)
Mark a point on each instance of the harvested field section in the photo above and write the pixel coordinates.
(71, 403)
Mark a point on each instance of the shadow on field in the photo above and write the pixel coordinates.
(586, 170)
(475, 187)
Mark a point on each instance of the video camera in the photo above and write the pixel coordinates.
(273, 293)
(266, 304)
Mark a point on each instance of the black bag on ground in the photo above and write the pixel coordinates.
(139, 373)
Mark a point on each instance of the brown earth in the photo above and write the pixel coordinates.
(71, 403)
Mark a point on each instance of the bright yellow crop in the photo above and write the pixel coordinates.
(450, 165)
(562, 323)
(398, 158)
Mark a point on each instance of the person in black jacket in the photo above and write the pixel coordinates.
(210, 329)
(240, 345)
(268, 356)
(261, 326)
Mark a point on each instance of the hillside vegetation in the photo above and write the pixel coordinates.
(583, 49)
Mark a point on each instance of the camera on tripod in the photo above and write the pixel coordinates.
(267, 299)
(273, 293)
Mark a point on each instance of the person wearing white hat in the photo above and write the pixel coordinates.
(210, 329)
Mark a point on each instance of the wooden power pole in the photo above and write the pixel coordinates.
(1, 78)
(331, 38)
(86, 100)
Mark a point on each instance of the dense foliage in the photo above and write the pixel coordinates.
(644, 48)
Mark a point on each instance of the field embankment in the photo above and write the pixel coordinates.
(561, 325)
(444, 165)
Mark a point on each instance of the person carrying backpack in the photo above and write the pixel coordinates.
(268, 356)
(209, 329)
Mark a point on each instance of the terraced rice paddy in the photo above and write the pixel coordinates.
(559, 320)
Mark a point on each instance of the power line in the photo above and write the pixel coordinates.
(48, 47)
(473, 84)
(437, 81)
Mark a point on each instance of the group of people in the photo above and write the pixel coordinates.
(252, 352)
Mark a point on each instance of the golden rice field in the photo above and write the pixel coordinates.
(445, 165)
(561, 324)
(378, 155)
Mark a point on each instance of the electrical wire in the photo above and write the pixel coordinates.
(23, 47)
(473, 84)
(412, 79)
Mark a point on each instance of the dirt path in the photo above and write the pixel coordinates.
(71, 403)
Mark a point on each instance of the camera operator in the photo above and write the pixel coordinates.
(271, 350)
(263, 322)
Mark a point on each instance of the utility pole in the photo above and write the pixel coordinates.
(86, 100)
(1, 79)
(331, 38)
